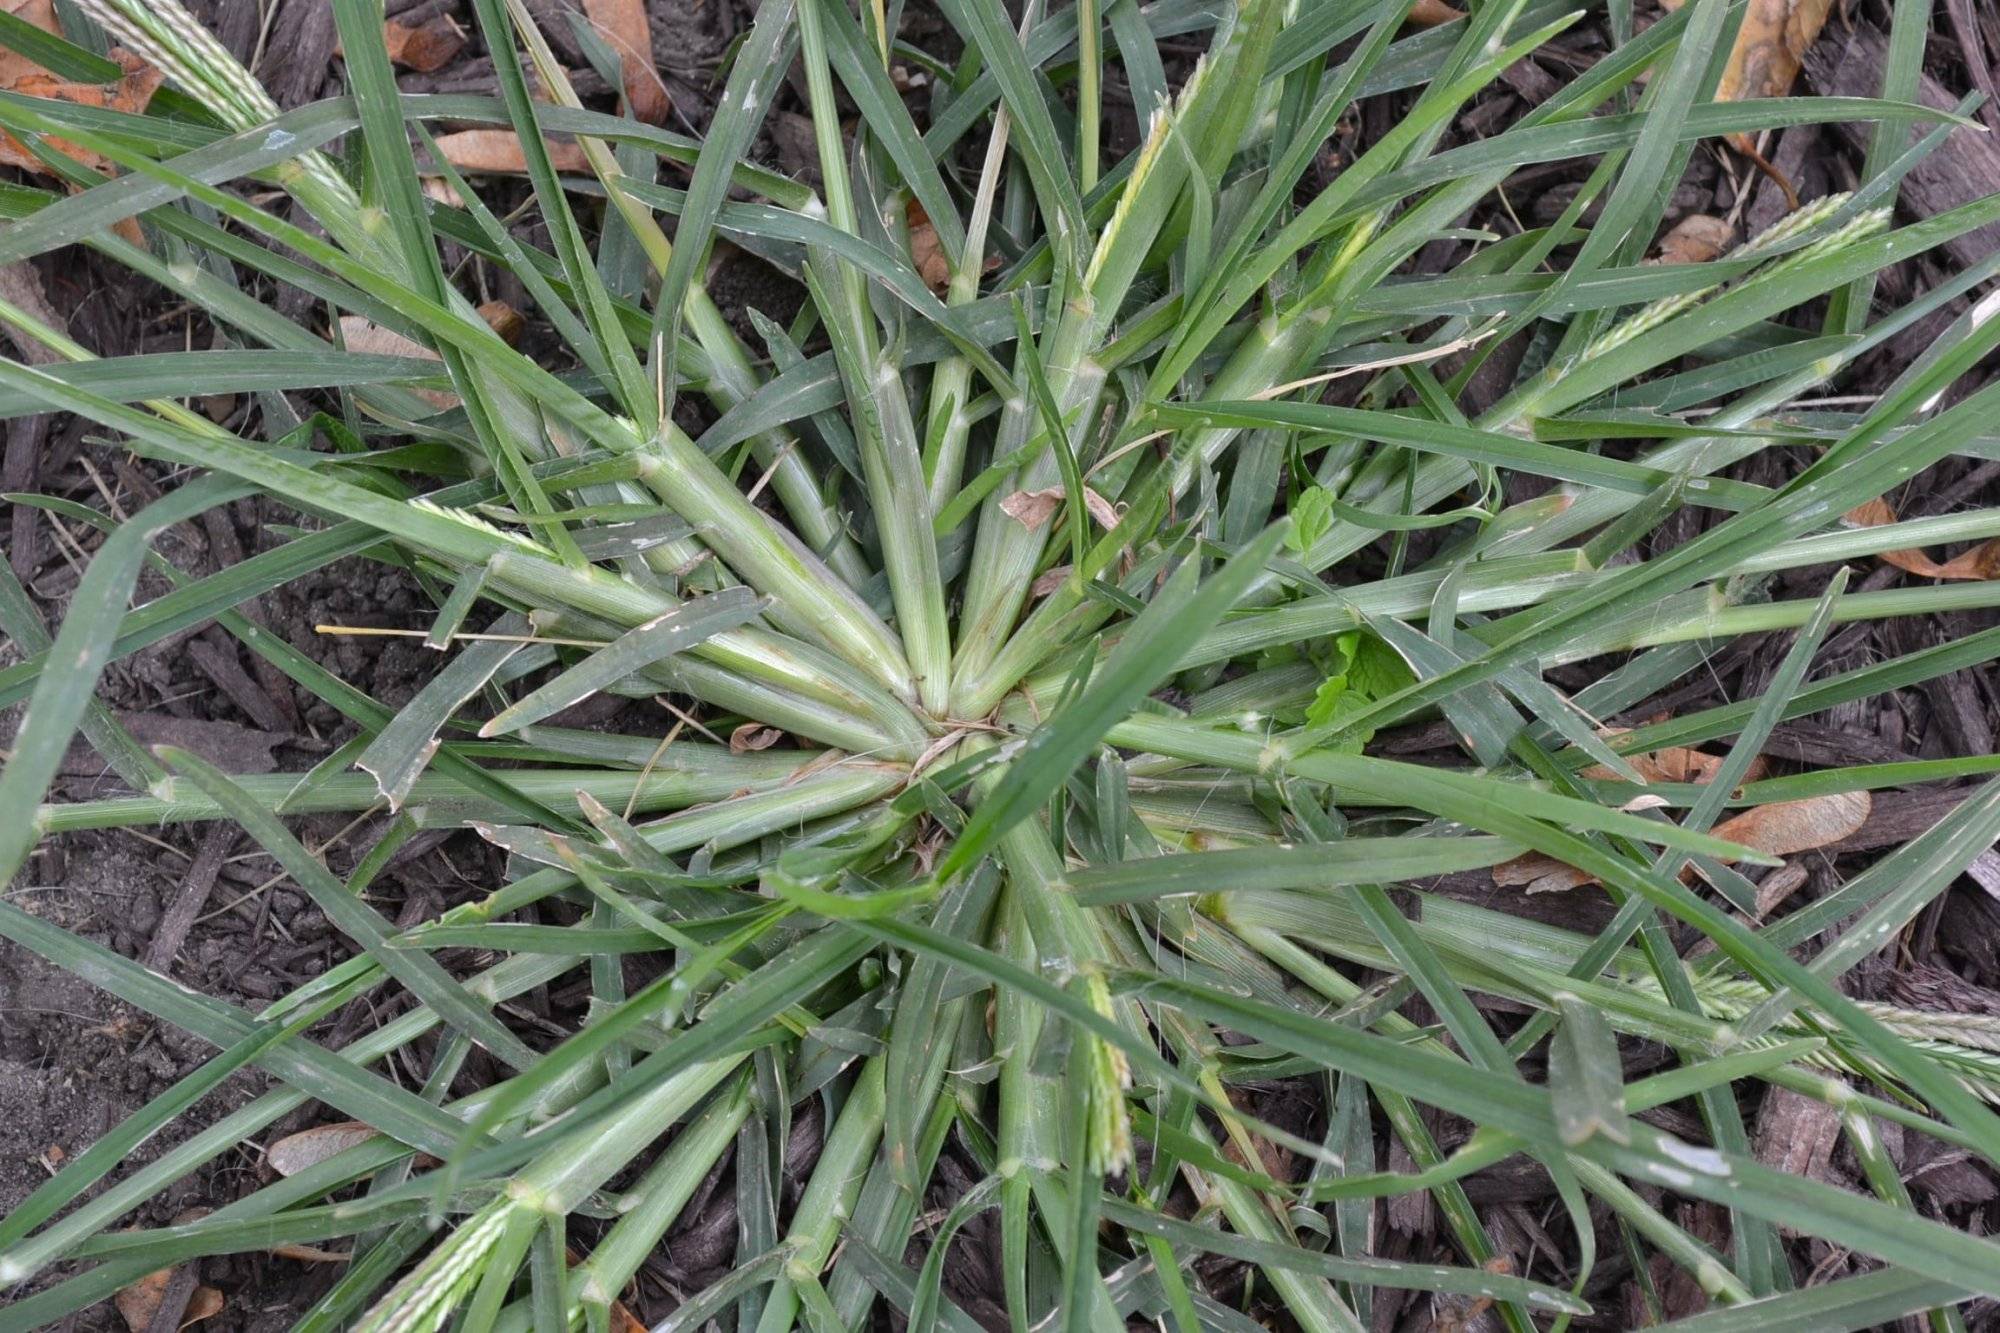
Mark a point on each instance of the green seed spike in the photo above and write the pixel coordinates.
(1108, 1126)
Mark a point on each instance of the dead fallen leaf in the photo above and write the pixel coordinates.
(1695, 239)
(370, 339)
(1780, 884)
(428, 46)
(1770, 47)
(1874, 513)
(441, 191)
(1049, 581)
(1461, 1314)
(1676, 764)
(1980, 563)
(206, 1303)
(753, 736)
(129, 94)
(1275, 1160)
(1780, 829)
(41, 13)
(504, 320)
(622, 1319)
(499, 151)
(139, 1302)
(1430, 13)
(309, 1147)
(1032, 509)
(20, 74)
(1798, 826)
(623, 26)
(925, 249)
(1537, 873)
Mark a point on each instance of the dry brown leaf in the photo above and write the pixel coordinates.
(428, 46)
(1695, 239)
(206, 1303)
(1462, 1314)
(753, 736)
(41, 13)
(1780, 884)
(1874, 513)
(504, 320)
(623, 26)
(1031, 509)
(1539, 874)
(925, 249)
(1798, 826)
(1780, 829)
(1770, 47)
(500, 151)
(622, 1319)
(440, 191)
(1676, 764)
(129, 94)
(1049, 581)
(1430, 13)
(22, 75)
(1982, 562)
(138, 1303)
(309, 1147)
(1275, 1160)
(371, 339)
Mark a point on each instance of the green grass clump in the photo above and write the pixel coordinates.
(992, 894)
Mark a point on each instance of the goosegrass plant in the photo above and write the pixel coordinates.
(1071, 608)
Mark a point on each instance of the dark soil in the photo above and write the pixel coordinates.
(217, 916)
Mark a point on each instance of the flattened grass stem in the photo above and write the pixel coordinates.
(655, 1203)
(770, 559)
(1006, 551)
(948, 422)
(891, 454)
(829, 1197)
(768, 656)
(553, 1186)
(732, 374)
